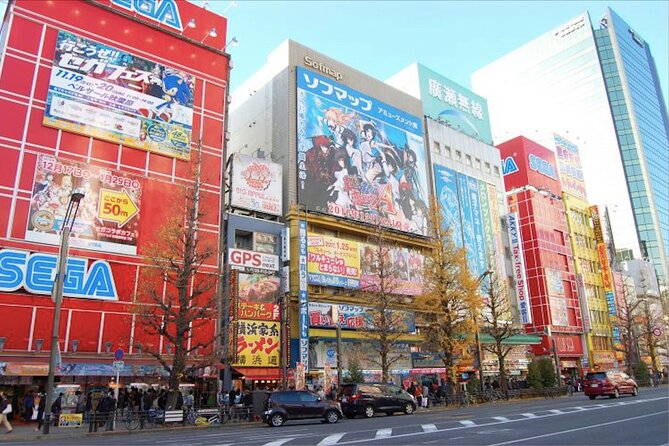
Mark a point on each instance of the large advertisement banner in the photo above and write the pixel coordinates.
(103, 92)
(108, 218)
(256, 185)
(447, 193)
(479, 237)
(333, 261)
(569, 164)
(258, 296)
(303, 294)
(468, 231)
(257, 344)
(359, 158)
(346, 263)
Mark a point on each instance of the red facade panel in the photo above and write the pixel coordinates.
(24, 89)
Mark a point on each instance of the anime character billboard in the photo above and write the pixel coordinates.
(359, 158)
(100, 91)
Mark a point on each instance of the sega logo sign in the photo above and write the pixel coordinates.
(542, 166)
(36, 272)
(252, 259)
(162, 11)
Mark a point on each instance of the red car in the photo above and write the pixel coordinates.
(612, 383)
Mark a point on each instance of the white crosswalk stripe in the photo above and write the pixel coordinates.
(429, 427)
(467, 423)
(501, 418)
(556, 411)
(331, 439)
(279, 442)
(528, 415)
(383, 433)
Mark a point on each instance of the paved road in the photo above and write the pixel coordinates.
(576, 420)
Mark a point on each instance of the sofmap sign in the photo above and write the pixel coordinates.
(162, 11)
(35, 273)
(519, 269)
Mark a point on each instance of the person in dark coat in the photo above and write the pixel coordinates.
(56, 409)
(41, 407)
(28, 406)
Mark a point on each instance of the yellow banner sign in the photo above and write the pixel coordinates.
(116, 206)
(70, 420)
(257, 343)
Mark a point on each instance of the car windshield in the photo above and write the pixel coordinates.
(598, 375)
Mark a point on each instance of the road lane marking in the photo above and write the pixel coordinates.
(429, 427)
(331, 439)
(467, 423)
(502, 419)
(383, 433)
(528, 415)
(279, 442)
(556, 411)
(580, 408)
(518, 440)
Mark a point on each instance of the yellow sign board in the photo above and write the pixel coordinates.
(116, 206)
(70, 420)
(257, 343)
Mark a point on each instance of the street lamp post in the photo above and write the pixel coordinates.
(57, 297)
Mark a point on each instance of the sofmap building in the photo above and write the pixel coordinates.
(113, 101)
(595, 83)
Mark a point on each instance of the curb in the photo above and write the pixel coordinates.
(79, 434)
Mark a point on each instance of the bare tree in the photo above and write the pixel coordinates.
(449, 297)
(628, 306)
(384, 322)
(650, 318)
(497, 322)
(175, 295)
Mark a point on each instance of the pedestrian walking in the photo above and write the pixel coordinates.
(5, 409)
(41, 407)
(426, 394)
(28, 406)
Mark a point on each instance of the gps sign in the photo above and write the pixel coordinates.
(251, 259)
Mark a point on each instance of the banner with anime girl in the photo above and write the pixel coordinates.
(359, 158)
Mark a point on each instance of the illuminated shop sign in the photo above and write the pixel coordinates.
(35, 273)
(162, 11)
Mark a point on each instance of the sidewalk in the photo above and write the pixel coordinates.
(26, 432)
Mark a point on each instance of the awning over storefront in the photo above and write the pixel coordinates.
(519, 339)
(256, 373)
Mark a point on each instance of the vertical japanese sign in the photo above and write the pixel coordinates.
(518, 263)
(479, 238)
(359, 158)
(468, 232)
(100, 91)
(303, 298)
(447, 194)
(108, 218)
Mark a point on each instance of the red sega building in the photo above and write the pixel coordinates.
(100, 96)
(534, 196)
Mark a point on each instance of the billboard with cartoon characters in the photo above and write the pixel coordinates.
(108, 216)
(100, 91)
(359, 158)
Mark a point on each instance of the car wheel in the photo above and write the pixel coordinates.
(332, 416)
(408, 408)
(616, 393)
(592, 397)
(277, 420)
(369, 411)
(349, 415)
(635, 391)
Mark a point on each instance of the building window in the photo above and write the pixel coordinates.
(437, 147)
(496, 169)
(487, 167)
(468, 160)
(244, 240)
(265, 243)
(458, 155)
(477, 164)
(447, 151)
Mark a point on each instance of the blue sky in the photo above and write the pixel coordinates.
(451, 37)
(454, 38)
